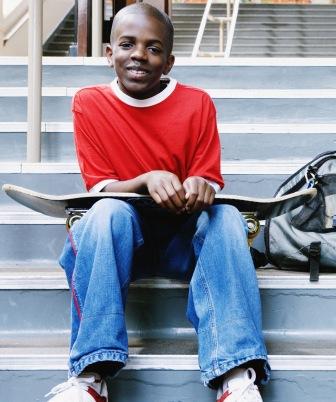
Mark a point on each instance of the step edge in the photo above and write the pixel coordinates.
(243, 167)
(185, 61)
(165, 362)
(215, 93)
(223, 128)
(56, 280)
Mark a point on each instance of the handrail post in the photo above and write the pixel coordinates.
(34, 102)
(201, 29)
(2, 31)
(97, 27)
(228, 15)
(232, 29)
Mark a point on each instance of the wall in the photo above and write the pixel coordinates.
(53, 13)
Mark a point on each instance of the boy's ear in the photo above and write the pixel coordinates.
(169, 64)
(109, 53)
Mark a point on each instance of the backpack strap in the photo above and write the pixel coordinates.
(314, 260)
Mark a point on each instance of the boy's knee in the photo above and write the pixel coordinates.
(110, 207)
(226, 212)
(229, 217)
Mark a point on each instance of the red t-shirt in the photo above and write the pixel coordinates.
(118, 137)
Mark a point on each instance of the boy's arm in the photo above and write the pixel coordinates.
(164, 187)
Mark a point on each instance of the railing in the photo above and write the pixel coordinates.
(229, 20)
(34, 107)
(11, 22)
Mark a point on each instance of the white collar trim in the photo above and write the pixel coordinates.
(154, 100)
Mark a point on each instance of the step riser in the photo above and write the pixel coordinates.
(262, 31)
(58, 109)
(25, 242)
(262, 20)
(56, 147)
(249, 185)
(239, 77)
(255, 41)
(265, 18)
(59, 147)
(170, 386)
(47, 183)
(289, 315)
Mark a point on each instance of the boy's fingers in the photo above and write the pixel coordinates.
(174, 196)
(209, 195)
(178, 189)
(162, 198)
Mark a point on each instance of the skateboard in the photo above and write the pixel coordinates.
(73, 206)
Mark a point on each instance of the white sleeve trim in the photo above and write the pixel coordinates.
(214, 185)
(97, 188)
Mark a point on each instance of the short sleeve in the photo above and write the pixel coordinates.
(93, 163)
(206, 158)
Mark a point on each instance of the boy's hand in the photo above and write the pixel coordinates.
(166, 190)
(199, 194)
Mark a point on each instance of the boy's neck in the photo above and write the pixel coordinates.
(167, 87)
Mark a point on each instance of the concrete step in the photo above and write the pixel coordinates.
(294, 379)
(152, 327)
(262, 31)
(281, 74)
(55, 53)
(301, 344)
(58, 109)
(63, 178)
(188, 40)
(180, 8)
(59, 45)
(59, 146)
(262, 20)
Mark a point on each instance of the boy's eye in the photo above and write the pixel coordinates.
(125, 45)
(154, 49)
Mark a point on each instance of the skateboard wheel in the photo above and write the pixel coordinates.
(72, 219)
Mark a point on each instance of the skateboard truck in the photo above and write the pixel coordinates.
(253, 225)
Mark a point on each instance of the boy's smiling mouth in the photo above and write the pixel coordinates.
(137, 71)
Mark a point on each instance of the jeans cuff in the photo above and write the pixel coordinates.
(78, 367)
(210, 375)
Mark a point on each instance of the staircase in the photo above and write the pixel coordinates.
(65, 34)
(273, 115)
(262, 30)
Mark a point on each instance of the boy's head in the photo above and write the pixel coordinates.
(140, 50)
(144, 9)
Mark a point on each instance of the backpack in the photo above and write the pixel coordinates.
(305, 238)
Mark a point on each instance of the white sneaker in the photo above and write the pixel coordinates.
(87, 387)
(240, 389)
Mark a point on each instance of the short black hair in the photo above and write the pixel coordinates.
(147, 9)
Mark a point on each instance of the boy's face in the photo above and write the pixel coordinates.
(138, 53)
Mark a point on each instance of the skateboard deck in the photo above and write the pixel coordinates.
(61, 206)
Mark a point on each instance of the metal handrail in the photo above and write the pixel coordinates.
(231, 28)
(97, 28)
(34, 102)
(201, 29)
(229, 20)
(13, 21)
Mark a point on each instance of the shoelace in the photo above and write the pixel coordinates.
(80, 382)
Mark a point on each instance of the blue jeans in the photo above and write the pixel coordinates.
(113, 244)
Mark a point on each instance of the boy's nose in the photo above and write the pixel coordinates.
(139, 52)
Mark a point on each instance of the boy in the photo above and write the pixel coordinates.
(147, 135)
